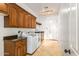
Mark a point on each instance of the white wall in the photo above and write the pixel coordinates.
(1, 35)
(78, 26)
(49, 26)
(64, 29)
(74, 17)
(69, 28)
(72, 26)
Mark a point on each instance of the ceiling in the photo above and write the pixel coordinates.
(37, 7)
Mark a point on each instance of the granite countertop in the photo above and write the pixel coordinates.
(12, 37)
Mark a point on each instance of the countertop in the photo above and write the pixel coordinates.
(11, 37)
(39, 32)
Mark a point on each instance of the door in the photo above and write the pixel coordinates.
(12, 21)
(33, 22)
(26, 21)
(20, 49)
(29, 21)
(20, 19)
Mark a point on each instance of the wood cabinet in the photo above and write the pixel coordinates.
(26, 21)
(33, 22)
(3, 7)
(19, 18)
(12, 18)
(42, 36)
(29, 21)
(20, 48)
(16, 47)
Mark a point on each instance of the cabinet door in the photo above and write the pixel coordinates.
(3, 7)
(29, 21)
(33, 22)
(19, 50)
(20, 19)
(9, 48)
(12, 18)
(26, 21)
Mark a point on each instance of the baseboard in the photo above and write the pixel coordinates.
(52, 39)
(75, 52)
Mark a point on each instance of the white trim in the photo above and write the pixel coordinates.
(74, 51)
(69, 25)
(76, 30)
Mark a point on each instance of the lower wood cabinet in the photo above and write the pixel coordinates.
(16, 47)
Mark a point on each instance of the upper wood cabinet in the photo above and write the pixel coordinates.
(30, 21)
(33, 22)
(3, 7)
(12, 18)
(18, 17)
(26, 21)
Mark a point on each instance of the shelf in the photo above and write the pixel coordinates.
(38, 23)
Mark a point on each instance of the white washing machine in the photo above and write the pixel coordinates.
(32, 44)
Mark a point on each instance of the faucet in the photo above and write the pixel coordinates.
(20, 34)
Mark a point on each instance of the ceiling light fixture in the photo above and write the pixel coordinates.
(46, 11)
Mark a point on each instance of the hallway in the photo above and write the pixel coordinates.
(60, 21)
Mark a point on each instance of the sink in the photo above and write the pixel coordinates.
(22, 35)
